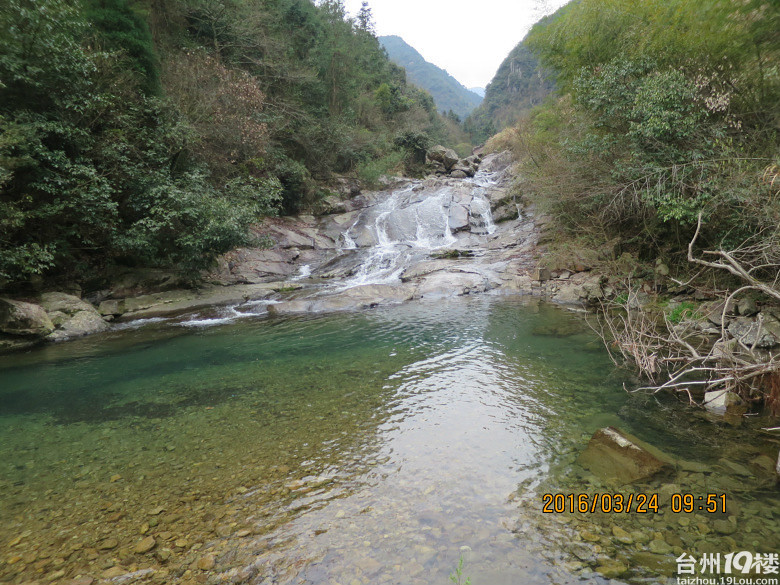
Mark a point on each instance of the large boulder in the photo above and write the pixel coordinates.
(496, 162)
(465, 168)
(445, 156)
(473, 160)
(64, 303)
(579, 289)
(617, 457)
(72, 316)
(752, 332)
(458, 217)
(25, 319)
(78, 325)
(143, 281)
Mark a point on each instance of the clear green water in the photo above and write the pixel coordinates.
(376, 447)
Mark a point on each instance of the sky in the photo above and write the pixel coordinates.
(468, 38)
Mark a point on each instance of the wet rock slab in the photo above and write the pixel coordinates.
(178, 301)
(355, 298)
(450, 284)
(620, 458)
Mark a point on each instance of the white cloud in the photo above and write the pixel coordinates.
(467, 38)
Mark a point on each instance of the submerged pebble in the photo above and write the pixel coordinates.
(313, 451)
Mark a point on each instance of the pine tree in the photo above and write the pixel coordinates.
(365, 20)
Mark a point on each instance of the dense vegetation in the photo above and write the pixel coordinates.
(665, 110)
(518, 86)
(447, 92)
(154, 133)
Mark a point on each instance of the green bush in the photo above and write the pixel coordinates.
(684, 311)
(660, 118)
(371, 171)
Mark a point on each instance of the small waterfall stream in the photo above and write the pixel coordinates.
(414, 221)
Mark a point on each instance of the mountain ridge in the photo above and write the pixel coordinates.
(520, 83)
(448, 92)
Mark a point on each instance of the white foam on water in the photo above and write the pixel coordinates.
(303, 272)
(409, 224)
(229, 314)
(138, 323)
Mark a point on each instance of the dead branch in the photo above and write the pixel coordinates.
(731, 265)
(680, 357)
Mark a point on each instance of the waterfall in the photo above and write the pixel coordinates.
(414, 221)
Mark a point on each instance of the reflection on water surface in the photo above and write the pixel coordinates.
(376, 447)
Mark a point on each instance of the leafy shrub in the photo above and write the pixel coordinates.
(371, 171)
(685, 310)
(656, 122)
(416, 144)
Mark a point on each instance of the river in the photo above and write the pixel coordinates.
(382, 445)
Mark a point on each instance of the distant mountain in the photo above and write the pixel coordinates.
(480, 91)
(519, 85)
(447, 92)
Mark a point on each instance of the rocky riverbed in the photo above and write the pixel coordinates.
(360, 447)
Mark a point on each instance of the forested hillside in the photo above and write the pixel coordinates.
(154, 133)
(518, 85)
(448, 93)
(666, 110)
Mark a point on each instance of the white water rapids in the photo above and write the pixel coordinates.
(414, 221)
(428, 238)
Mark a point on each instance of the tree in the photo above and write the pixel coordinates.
(120, 28)
(365, 20)
(90, 163)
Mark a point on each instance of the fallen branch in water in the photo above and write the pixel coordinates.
(681, 357)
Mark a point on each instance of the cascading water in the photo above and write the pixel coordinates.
(414, 221)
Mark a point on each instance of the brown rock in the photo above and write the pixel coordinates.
(618, 457)
(145, 545)
(19, 318)
(81, 581)
(108, 544)
(541, 274)
(724, 527)
(206, 563)
(113, 572)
